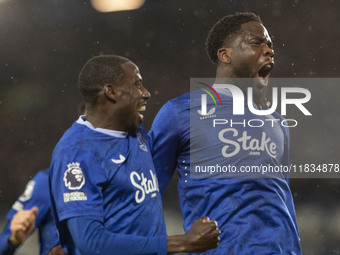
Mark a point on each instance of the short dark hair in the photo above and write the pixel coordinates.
(225, 29)
(99, 71)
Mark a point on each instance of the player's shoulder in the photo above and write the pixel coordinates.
(74, 133)
(277, 115)
(36, 193)
(72, 138)
(69, 148)
(282, 119)
(180, 100)
(38, 183)
(173, 110)
(177, 104)
(41, 176)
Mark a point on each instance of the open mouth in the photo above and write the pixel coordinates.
(264, 73)
(141, 109)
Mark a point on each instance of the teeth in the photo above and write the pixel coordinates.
(142, 108)
(267, 67)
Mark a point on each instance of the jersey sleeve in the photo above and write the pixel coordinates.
(90, 236)
(36, 194)
(76, 184)
(165, 142)
(5, 248)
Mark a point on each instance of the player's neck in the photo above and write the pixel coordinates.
(224, 72)
(103, 119)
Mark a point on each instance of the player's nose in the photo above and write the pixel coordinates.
(145, 93)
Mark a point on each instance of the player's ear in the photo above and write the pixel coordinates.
(111, 91)
(224, 55)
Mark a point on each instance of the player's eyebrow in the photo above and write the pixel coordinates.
(139, 81)
(262, 40)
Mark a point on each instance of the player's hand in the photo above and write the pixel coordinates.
(22, 225)
(57, 251)
(203, 235)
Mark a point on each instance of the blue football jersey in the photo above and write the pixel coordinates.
(37, 194)
(95, 173)
(255, 211)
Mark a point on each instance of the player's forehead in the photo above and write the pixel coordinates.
(131, 71)
(255, 29)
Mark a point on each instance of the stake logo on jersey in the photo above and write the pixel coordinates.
(144, 185)
(141, 142)
(246, 143)
(74, 178)
(28, 191)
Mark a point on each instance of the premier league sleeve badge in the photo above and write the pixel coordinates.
(74, 178)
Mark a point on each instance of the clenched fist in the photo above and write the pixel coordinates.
(203, 235)
(22, 225)
(58, 250)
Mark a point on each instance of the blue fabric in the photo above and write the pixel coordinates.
(90, 237)
(5, 248)
(255, 215)
(36, 194)
(111, 179)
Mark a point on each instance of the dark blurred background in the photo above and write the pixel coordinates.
(45, 43)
